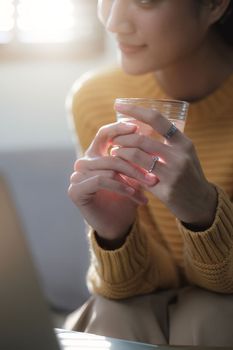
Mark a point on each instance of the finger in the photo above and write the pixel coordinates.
(150, 116)
(143, 160)
(77, 177)
(102, 140)
(138, 186)
(144, 143)
(84, 190)
(172, 156)
(138, 196)
(115, 164)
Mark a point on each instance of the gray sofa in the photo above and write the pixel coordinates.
(38, 180)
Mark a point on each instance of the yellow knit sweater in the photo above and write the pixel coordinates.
(159, 252)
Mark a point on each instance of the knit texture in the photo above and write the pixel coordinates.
(159, 249)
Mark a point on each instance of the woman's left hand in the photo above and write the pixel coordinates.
(182, 185)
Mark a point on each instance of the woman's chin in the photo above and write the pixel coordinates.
(132, 68)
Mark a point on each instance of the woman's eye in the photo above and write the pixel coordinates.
(145, 2)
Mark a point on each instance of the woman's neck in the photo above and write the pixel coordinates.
(200, 75)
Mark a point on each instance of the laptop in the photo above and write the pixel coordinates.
(25, 322)
(24, 316)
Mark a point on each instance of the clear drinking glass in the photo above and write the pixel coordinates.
(176, 111)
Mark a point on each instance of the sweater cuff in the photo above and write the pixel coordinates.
(123, 264)
(213, 245)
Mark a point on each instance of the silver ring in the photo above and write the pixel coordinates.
(172, 130)
(154, 161)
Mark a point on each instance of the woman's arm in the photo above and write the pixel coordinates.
(206, 212)
(209, 253)
(141, 265)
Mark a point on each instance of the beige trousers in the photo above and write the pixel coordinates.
(188, 316)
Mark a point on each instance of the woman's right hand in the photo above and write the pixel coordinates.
(106, 200)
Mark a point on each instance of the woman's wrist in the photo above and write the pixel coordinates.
(205, 218)
(112, 244)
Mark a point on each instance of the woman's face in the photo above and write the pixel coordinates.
(153, 34)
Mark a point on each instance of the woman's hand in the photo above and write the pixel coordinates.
(106, 199)
(182, 186)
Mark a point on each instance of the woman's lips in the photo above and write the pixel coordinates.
(130, 49)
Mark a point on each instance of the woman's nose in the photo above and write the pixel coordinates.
(116, 17)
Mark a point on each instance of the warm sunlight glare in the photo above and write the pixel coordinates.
(45, 20)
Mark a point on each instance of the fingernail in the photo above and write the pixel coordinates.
(128, 125)
(150, 178)
(113, 150)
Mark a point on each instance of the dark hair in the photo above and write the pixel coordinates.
(225, 25)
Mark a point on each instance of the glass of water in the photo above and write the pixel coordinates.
(174, 110)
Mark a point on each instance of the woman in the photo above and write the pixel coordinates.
(162, 245)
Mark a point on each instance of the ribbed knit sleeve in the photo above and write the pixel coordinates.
(209, 254)
(140, 266)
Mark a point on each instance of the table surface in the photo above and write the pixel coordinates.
(85, 341)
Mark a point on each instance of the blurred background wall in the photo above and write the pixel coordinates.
(33, 96)
(37, 151)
